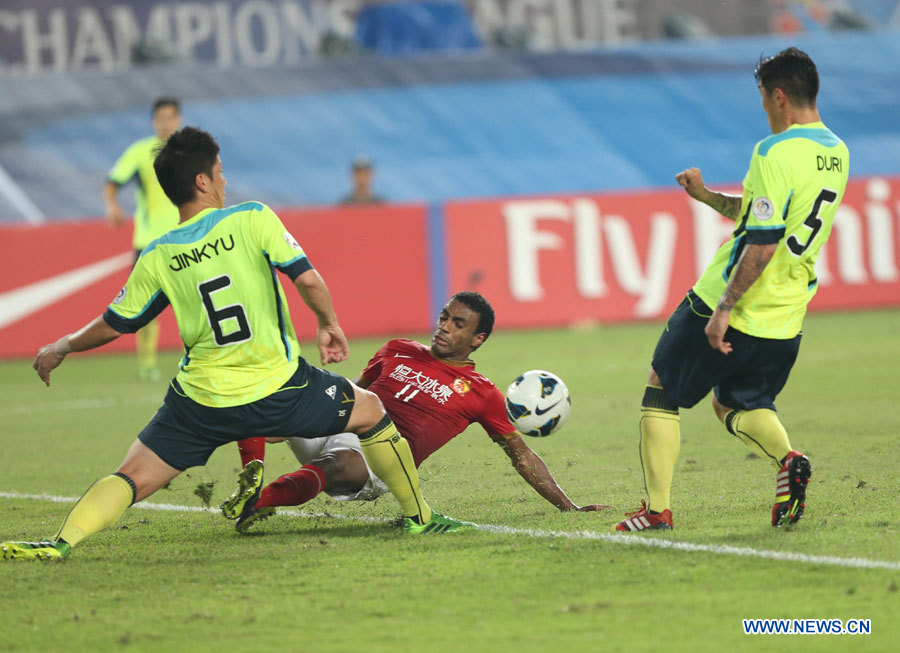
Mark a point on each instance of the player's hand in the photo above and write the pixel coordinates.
(592, 508)
(46, 361)
(332, 343)
(692, 181)
(715, 331)
(115, 215)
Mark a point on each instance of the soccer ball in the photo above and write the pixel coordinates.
(538, 403)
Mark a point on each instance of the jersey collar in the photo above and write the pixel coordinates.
(197, 217)
(467, 363)
(808, 125)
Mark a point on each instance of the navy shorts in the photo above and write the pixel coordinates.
(751, 376)
(311, 404)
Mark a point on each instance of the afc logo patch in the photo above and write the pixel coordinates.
(460, 385)
(121, 296)
(290, 240)
(762, 208)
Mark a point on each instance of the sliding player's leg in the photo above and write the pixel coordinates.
(334, 464)
(250, 481)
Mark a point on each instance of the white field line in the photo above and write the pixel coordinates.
(637, 540)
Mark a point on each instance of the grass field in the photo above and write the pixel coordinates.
(342, 578)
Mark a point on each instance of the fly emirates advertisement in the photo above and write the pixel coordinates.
(541, 261)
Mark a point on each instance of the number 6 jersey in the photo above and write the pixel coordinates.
(217, 270)
(791, 194)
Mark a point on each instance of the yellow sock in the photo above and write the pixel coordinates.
(761, 430)
(660, 444)
(98, 508)
(389, 456)
(147, 341)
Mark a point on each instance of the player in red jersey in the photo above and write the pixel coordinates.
(431, 393)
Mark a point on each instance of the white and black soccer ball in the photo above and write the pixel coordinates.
(538, 403)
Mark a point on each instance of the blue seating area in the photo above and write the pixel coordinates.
(402, 28)
(477, 125)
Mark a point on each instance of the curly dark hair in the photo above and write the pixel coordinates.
(478, 304)
(186, 154)
(793, 72)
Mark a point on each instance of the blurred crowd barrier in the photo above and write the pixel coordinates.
(549, 260)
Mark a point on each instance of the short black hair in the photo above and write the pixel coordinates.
(478, 304)
(186, 154)
(793, 72)
(165, 101)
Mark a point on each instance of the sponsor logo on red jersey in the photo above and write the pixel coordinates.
(461, 386)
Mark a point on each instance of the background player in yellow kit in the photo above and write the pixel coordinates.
(738, 330)
(154, 213)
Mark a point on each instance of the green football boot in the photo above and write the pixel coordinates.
(247, 494)
(439, 524)
(253, 516)
(43, 550)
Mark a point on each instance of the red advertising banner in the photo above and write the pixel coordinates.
(375, 262)
(631, 256)
(56, 278)
(543, 261)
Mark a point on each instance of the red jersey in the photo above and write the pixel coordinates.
(432, 400)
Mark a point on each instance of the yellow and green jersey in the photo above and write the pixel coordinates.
(217, 270)
(791, 194)
(154, 213)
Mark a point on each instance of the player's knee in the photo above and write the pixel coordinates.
(144, 481)
(654, 397)
(720, 410)
(345, 470)
(147, 471)
(368, 412)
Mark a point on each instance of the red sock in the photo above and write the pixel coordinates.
(252, 449)
(294, 488)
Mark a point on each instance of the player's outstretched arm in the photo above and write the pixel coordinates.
(94, 334)
(332, 342)
(692, 182)
(535, 472)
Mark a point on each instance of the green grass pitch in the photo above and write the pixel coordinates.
(343, 578)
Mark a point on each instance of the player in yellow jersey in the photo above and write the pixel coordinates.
(737, 332)
(154, 213)
(242, 371)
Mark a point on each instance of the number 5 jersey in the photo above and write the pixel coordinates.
(791, 195)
